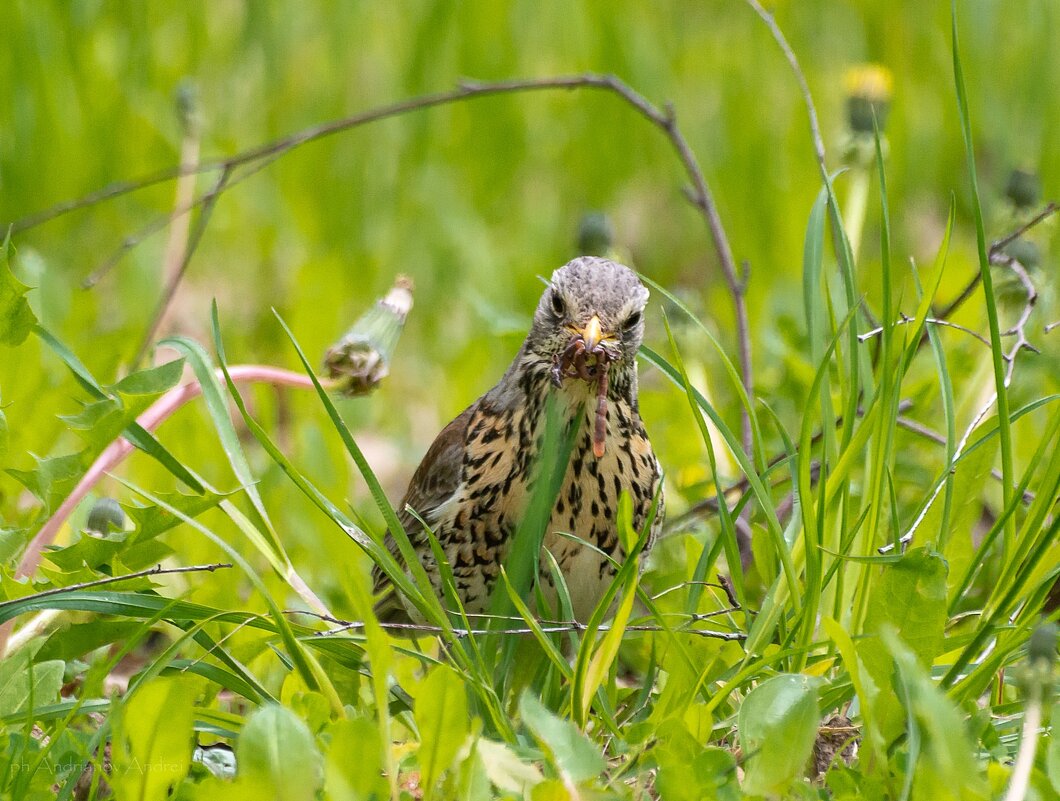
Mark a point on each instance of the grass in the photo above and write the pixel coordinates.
(893, 580)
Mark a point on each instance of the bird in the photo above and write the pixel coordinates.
(473, 484)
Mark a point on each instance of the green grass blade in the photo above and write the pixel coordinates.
(996, 345)
(728, 528)
(761, 492)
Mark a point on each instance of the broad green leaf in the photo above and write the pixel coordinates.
(573, 754)
(52, 479)
(472, 783)
(15, 686)
(441, 712)
(689, 771)
(152, 743)
(151, 521)
(505, 769)
(778, 724)
(908, 597)
(277, 756)
(947, 768)
(151, 381)
(353, 767)
(97, 414)
(16, 317)
(88, 551)
(11, 542)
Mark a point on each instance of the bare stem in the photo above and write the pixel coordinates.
(114, 453)
(995, 250)
(157, 570)
(547, 626)
(173, 281)
(904, 320)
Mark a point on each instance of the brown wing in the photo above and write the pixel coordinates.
(433, 483)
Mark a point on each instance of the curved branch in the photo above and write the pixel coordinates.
(665, 119)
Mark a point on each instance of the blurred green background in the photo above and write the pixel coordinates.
(476, 200)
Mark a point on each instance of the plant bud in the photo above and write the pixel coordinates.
(869, 88)
(595, 234)
(1024, 189)
(105, 517)
(361, 359)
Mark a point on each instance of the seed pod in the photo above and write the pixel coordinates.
(106, 516)
(361, 359)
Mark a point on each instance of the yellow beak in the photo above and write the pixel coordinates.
(592, 334)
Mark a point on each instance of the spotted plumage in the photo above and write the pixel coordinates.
(473, 485)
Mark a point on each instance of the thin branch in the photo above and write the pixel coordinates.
(159, 224)
(174, 280)
(157, 570)
(995, 250)
(664, 119)
(1000, 244)
(1019, 330)
(922, 430)
(548, 627)
(905, 319)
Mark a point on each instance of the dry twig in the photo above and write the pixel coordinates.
(546, 626)
(664, 119)
(157, 570)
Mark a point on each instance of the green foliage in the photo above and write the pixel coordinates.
(441, 715)
(152, 739)
(16, 316)
(277, 757)
(893, 582)
(778, 726)
(909, 601)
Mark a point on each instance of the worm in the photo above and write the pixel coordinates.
(572, 362)
(600, 429)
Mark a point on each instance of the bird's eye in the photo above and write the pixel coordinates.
(631, 322)
(559, 305)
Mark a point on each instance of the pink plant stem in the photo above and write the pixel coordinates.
(114, 453)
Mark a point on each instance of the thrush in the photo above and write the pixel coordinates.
(474, 483)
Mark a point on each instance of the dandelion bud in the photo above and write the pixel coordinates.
(595, 234)
(106, 516)
(868, 88)
(1024, 189)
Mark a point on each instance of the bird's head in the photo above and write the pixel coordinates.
(591, 316)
